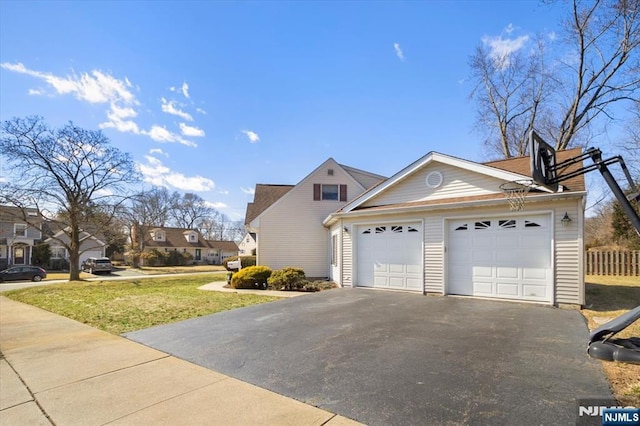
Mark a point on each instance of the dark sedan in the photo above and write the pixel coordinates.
(16, 273)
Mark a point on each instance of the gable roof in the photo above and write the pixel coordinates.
(507, 170)
(522, 165)
(223, 245)
(12, 213)
(264, 196)
(364, 178)
(174, 237)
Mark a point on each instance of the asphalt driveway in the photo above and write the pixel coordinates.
(394, 358)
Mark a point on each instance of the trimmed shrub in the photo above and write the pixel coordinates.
(287, 279)
(176, 258)
(245, 261)
(251, 277)
(154, 257)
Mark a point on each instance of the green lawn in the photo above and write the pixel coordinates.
(122, 306)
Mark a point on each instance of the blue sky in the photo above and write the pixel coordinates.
(214, 97)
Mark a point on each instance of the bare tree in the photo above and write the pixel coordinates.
(511, 90)
(564, 97)
(71, 172)
(188, 210)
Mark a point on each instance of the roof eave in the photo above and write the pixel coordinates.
(333, 217)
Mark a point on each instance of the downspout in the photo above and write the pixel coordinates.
(341, 266)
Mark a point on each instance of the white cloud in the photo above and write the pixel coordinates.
(185, 90)
(223, 192)
(95, 87)
(158, 151)
(253, 136)
(118, 119)
(201, 111)
(552, 36)
(161, 134)
(249, 191)
(191, 131)
(170, 108)
(218, 205)
(501, 49)
(156, 173)
(399, 53)
(509, 29)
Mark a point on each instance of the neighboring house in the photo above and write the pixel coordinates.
(90, 245)
(190, 241)
(288, 219)
(220, 250)
(247, 246)
(442, 226)
(20, 230)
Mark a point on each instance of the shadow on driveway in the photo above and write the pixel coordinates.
(395, 358)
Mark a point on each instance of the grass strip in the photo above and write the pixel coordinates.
(123, 306)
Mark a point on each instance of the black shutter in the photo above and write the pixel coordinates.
(316, 192)
(343, 192)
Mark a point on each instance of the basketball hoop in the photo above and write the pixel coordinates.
(515, 192)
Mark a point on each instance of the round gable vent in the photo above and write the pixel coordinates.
(434, 179)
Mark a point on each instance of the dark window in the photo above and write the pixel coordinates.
(411, 229)
(484, 224)
(380, 229)
(529, 224)
(507, 223)
(396, 228)
(329, 192)
(462, 227)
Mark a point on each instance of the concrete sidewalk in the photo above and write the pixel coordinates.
(59, 371)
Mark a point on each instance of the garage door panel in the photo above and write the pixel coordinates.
(482, 271)
(390, 256)
(508, 289)
(508, 257)
(535, 291)
(483, 288)
(505, 272)
(535, 273)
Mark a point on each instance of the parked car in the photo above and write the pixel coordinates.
(96, 265)
(15, 273)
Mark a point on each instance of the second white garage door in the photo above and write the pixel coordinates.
(390, 256)
(504, 257)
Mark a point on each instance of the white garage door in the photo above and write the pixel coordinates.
(506, 257)
(390, 256)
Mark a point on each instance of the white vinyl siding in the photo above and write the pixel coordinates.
(433, 254)
(457, 182)
(567, 244)
(290, 231)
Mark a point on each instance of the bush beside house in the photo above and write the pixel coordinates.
(251, 277)
(287, 279)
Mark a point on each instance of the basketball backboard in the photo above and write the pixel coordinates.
(543, 162)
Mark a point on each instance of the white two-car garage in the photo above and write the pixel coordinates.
(501, 257)
(390, 256)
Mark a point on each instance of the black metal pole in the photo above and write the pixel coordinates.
(596, 156)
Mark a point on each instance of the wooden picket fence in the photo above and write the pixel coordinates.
(613, 262)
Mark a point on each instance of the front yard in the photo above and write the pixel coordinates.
(122, 306)
(606, 298)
